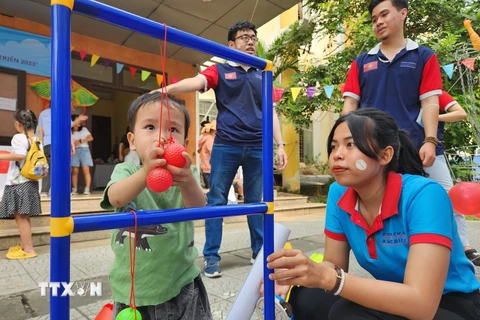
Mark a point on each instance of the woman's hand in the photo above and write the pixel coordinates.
(293, 267)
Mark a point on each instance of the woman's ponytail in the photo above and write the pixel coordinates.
(408, 159)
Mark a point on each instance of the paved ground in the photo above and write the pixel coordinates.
(20, 295)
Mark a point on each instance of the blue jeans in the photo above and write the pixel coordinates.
(225, 161)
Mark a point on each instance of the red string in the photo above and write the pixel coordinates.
(133, 258)
(164, 94)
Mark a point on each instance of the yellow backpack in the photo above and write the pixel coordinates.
(36, 164)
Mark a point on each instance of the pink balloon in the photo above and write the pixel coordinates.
(465, 198)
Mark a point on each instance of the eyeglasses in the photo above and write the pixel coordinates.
(246, 38)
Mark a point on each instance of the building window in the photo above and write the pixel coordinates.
(82, 69)
(149, 84)
(12, 97)
(207, 108)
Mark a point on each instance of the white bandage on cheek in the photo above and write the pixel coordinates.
(239, 46)
(361, 164)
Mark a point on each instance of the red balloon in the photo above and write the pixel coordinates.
(465, 198)
(173, 154)
(4, 164)
(159, 180)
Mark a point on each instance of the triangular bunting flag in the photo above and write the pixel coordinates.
(174, 80)
(145, 75)
(469, 63)
(328, 91)
(295, 92)
(83, 53)
(72, 47)
(311, 92)
(94, 60)
(448, 70)
(159, 79)
(341, 86)
(119, 67)
(132, 71)
(106, 63)
(277, 94)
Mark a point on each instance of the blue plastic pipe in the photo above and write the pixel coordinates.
(97, 222)
(154, 29)
(267, 168)
(60, 149)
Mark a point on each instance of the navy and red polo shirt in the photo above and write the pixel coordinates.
(414, 210)
(445, 102)
(239, 103)
(396, 86)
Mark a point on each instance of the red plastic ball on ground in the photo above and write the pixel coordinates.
(159, 180)
(465, 198)
(173, 154)
(4, 164)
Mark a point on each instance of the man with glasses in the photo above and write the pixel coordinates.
(238, 141)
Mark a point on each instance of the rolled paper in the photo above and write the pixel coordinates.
(246, 300)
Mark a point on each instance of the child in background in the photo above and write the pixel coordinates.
(167, 281)
(21, 198)
(82, 157)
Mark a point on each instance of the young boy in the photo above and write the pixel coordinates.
(167, 282)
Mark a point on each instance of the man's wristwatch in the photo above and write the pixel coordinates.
(282, 144)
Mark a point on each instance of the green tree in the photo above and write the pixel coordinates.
(437, 24)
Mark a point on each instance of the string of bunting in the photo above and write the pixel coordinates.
(329, 89)
(144, 74)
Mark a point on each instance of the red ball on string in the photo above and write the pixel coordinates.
(173, 154)
(159, 180)
(4, 164)
(465, 198)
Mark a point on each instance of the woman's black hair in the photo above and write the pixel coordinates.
(74, 117)
(26, 118)
(374, 130)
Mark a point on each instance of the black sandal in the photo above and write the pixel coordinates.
(473, 256)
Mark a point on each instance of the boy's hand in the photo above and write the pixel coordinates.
(182, 176)
(153, 158)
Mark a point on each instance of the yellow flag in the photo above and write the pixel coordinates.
(94, 60)
(72, 47)
(295, 92)
(159, 79)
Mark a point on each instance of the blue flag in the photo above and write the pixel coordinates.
(448, 70)
(328, 90)
(119, 67)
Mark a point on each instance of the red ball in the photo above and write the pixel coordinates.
(465, 198)
(4, 164)
(173, 154)
(159, 180)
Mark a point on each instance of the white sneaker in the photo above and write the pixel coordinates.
(44, 195)
(74, 191)
(86, 191)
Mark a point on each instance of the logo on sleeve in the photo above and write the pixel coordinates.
(370, 66)
(231, 76)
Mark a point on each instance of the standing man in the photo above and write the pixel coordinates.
(401, 78)
(238, 141)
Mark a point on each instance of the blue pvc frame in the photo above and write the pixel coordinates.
(62, 224)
